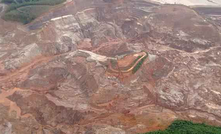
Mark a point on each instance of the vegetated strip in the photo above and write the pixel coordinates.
(133, 65)
(14, 6)
(188, 127)
(129, 66)
(13, 13)
(139, 64)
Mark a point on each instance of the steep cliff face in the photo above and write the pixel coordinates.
(55, 75)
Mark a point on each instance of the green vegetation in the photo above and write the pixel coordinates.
(136, 59)
(26, 14)
(25, 11)
(187, 127)
(139, 64)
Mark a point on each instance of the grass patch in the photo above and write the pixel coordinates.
(25, 11)
(187, 127)
(19, 17)
(136, 60)
(25, 14)
(14, 5)
(139, 64)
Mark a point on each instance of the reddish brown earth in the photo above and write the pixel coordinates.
(54, 75)
(122, 67)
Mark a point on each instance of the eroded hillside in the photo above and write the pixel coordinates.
(67, 71)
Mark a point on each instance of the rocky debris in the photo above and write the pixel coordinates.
(60, 69)
(9, 124)
(180, 35)
(215, 3)
(2, 8)
(26, 55)
(68, 27)
(110, 130)
(44, 111)
(104, 32)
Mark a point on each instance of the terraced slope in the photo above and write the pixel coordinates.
(134, 66)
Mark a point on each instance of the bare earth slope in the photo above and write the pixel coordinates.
(191, 2)
(54, 75)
